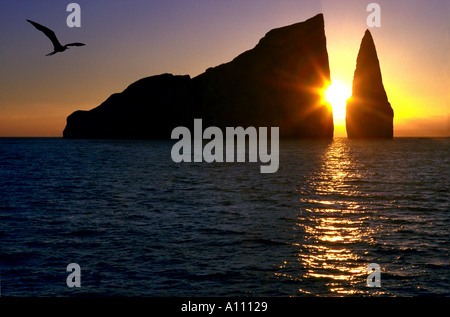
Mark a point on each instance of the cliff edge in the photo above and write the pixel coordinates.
(278, 83)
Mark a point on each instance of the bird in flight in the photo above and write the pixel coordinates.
(57, 47)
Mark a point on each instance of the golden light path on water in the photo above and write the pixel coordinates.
(334, 224)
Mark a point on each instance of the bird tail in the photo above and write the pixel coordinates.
(50, 54)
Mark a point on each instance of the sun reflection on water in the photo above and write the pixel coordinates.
(334, 225)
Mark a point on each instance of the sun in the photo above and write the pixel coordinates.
(337, 94)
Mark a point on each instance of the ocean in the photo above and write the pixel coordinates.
(138, 224)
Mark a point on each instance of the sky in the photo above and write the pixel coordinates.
(129, 40)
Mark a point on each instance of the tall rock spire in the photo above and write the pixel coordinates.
(369, 113)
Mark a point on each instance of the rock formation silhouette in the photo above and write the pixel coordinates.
(369, 113)
(276, 84)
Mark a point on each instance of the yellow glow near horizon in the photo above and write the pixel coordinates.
(337, 94)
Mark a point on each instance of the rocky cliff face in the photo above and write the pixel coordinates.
(369, 113)
(277, 83)
(148, 109)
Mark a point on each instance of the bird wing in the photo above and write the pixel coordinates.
(49, 33)
(75, 44)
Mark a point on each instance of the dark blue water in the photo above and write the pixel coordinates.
(140, 225)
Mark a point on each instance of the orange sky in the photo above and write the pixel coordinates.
(130, 40)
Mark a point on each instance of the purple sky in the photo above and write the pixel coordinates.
(128, 40)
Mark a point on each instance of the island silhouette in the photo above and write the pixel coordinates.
(369, 113)
(278, 83)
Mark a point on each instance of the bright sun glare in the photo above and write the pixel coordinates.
(337, 95)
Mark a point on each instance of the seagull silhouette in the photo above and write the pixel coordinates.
(57, 47)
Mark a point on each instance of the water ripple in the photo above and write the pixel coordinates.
(140, 225)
